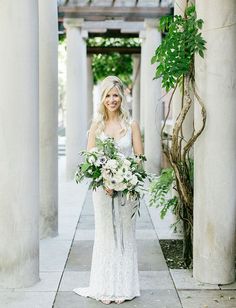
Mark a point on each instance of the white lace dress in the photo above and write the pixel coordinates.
(114, 270)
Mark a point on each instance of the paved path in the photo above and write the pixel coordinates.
(157, 288)
(66, 259)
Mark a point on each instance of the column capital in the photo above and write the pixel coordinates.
(84, 34)
(73, 23)
(151, 23)
(142, 34)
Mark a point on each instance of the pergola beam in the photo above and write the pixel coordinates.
(112, 33)
(126, 26)
(91, 12)
(107, 50)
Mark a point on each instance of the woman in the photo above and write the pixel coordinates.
(114, 270)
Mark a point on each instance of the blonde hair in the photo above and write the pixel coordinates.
(102, 116)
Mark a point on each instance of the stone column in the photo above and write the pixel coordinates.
(89, 91)
(215, 151)
(76, 127)
(19, 144)
(143, 82)
(152, 100)
(136, 88)
(48, 95)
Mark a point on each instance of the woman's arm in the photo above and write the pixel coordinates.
(92, 137)
(137, 139)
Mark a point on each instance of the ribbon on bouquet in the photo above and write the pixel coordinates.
(117, 220)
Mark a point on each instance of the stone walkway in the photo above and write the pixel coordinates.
(157, 287)
(65, 263)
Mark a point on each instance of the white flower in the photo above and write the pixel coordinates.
(101, 161)
(111, 164)
(128, 175)
(91, 159)
(126, 162)
(106, 174)
(110, 183)
(118, 178)
(114, 183)
(134, 180)
(120, 187)
(120, 172)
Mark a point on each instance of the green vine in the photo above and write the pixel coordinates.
(175, 65)
(160, 192)
(175, 55)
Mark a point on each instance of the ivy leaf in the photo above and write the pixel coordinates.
(174, 57)
(201, 53)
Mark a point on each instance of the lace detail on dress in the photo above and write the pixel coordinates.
(114, 271)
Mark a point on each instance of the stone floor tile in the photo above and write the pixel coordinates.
(84, 235)
(148, 280)
(86, 219)
(231, 286)
(53, 254)
(163, 226)
(66, 233)
(155, 280)
(26, 299)
(49, 282)
(86, 222)
(80, 257)
(88, 205)
(148, 234)
(207, 298)
(70, 210)
(150, 257)
(183, 279)
(144, 215)
(144, 225)
(74, 279)
(148, 299)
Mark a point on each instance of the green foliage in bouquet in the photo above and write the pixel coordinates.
(105, 166)
(88, 169)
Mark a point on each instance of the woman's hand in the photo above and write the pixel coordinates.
(109, 192)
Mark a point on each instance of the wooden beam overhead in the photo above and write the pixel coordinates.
(107, 50)
(104, 12)
(113, 25)
(113, 33)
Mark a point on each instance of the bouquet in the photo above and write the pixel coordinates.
(106, 167)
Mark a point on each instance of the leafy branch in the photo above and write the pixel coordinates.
(175, 65)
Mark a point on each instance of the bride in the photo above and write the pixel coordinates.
(114, 270)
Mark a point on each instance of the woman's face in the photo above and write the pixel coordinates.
(112, 100)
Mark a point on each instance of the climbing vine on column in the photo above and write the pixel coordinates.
(175, 66)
